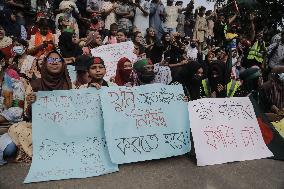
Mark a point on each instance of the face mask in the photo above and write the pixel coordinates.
(126, 75)
(147, 77)
(193, 45)
(196, 80)
(281, 77)
(19, 50)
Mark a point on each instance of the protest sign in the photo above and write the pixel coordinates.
(111, 55)
(68, 136)
(146, 122)
(225, 130)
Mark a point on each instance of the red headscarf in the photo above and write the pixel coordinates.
(123, 76)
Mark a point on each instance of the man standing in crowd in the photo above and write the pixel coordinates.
(141, 20)
(157, 17)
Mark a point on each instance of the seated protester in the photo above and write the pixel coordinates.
(139, 50)
(251, 82)
(97, 71)
(124, 73)
(273, 93)
(13, 94)
(69, 49)
(154, 48)
(81, 68)
(2, 61)
(218, 85)
(111, 38)
(192, 51)
(54, 76)
(191, 79)
(93, 40)
(144, 72)
(6, 43)
(43, 41)
(22, 62)
(8, 148)
(121, 36)
(163, 74)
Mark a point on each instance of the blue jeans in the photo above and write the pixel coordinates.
(10, 151)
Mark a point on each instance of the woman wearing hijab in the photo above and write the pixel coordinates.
(81, 68)
(54, 76)
(68, 48)
(215, 85)
(93, 40)
(191, 79)
(124, 73)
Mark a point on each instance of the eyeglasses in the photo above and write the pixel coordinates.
(53, 60)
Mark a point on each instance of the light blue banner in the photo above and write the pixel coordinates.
(146, 122)
(68, 136)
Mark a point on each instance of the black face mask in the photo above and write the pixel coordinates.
(147, 77)
(193, 45)
(196, 80)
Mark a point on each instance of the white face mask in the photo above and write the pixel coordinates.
(19, 50)
(281, 76)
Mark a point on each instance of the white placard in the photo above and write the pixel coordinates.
(225, 130)
(111, 55)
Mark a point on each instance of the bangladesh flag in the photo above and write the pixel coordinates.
(273, 140)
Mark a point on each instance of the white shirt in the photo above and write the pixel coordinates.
(192, 52)
(172, 15)
(141, 21)
(278, 55)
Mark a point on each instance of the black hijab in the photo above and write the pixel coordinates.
(67, 47)
(190, 80)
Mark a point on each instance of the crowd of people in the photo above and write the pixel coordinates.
(206, 51)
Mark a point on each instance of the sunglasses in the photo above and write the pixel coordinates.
(53, 60)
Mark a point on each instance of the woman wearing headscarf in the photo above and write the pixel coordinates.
(81, 68)
(54, 76)
(191, 79)
(93, 40)
(215, 85)
(124, 73)
(68, 48)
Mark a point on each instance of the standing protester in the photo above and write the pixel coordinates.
(141, 20)
(189, 22)
(125, 15)
(201, 28)
(275, 53)
(157, 17)
(108, 11)
(171, 16)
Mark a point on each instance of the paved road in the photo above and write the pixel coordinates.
(174, 173)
